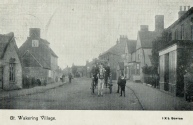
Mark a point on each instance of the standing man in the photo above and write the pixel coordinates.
(94, 72)
(119, 81)
(101, 76)
(122, 84)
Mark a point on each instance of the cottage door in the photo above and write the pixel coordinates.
(166, 73)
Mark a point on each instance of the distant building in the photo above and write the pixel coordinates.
(114, 55)
(38, 59)
(10, 65)
(79, 71)
(177, 55)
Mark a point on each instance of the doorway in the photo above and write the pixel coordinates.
(166, 73)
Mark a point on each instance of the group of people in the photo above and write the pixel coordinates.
(69, 78)
(101, 75)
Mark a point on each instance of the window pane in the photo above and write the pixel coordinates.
(11, 72)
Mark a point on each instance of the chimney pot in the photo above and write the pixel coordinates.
(184, 8)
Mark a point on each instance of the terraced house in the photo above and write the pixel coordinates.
(138, 53)
(38, 59)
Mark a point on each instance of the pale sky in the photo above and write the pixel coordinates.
(80, 30)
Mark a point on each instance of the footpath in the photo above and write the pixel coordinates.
(155, 99)
(23, 92)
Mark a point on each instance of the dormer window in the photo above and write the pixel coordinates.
(35, 43)
(176, 34)
(192, 20)
(170, 36)
(182, 32)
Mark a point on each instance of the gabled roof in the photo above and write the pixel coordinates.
(131, 44)
(146, 38)
(119, 48)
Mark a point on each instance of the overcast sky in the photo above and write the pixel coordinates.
(79, 30)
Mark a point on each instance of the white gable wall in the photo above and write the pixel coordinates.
(11, 53)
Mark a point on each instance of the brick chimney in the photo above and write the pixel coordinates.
(159, 23)
(144, 28)
(182, 12)
(34, 32)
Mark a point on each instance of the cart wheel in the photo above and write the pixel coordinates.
(110, 88)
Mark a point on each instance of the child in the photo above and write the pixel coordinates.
(122, 85)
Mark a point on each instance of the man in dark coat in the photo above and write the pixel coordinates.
(94, 72)
(122, 85)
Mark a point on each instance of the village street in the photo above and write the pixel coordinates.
(74, 96)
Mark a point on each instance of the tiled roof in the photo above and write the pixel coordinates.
(5, 39)
(146, 38)
(184, 16)
(119, 48)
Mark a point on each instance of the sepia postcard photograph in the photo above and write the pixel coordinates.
(96, 58)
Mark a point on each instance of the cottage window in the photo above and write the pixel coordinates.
(182, 31)
(192, 20)
(170, 36)
(12, 72)
(35, 43)
(176, 34)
